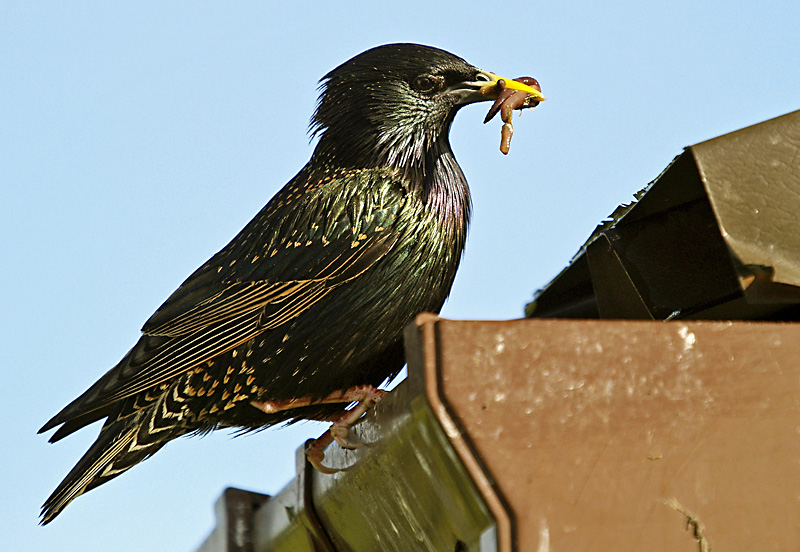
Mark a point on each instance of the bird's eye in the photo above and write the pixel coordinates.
(425, 84)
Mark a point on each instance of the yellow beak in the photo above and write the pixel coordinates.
(488, 87)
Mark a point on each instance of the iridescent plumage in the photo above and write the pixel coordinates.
(312, 295)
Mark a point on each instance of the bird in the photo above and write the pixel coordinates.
(302, 312)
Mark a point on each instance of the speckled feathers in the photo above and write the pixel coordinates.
(312, 295)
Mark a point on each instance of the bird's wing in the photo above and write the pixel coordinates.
(287, 262)
(278, 301)
(236, 312)
(298, 243)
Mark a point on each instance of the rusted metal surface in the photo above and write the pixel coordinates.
(715, 236)
(614, 435)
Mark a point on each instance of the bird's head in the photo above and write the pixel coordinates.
(393, 105)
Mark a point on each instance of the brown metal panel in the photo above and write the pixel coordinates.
(424, 361)
(621, 435)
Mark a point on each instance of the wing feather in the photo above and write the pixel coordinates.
(222, 305)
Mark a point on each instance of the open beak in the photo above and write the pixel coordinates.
(486, 87)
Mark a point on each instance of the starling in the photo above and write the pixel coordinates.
(303, 311)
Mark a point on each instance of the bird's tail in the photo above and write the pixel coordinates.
(120, 446)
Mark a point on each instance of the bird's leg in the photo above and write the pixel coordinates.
(340, 429)
(358, 393)
(365, 395)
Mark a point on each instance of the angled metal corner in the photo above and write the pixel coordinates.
(423, 367)
(752, 178)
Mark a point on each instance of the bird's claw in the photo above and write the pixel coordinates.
(367, 397)
(315, 452)
(341, 434)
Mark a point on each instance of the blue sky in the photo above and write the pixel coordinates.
(137, 140)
